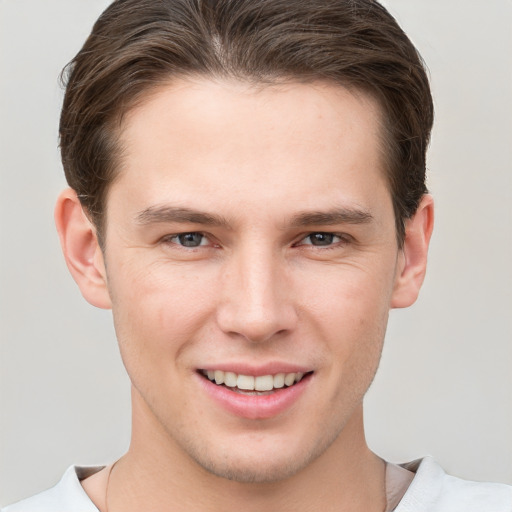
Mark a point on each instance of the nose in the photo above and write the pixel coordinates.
(256, 298)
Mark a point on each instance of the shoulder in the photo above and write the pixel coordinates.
(432, 490)
(68, 495)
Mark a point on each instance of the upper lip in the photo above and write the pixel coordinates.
(271, 368)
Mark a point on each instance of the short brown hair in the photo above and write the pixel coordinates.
(137, 45)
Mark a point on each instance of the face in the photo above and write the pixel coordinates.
(251, 260)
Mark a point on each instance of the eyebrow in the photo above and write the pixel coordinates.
(168, 214)
(332, 217)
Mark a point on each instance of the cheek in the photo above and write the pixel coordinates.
(348, 297)
(157, 311)
(357, 347)
(350, 310)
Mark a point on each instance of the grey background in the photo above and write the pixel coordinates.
(445, 383)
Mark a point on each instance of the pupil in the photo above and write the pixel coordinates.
(322, 238)
(190, 239)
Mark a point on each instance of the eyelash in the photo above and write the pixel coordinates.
(343, 239)
(169, 239)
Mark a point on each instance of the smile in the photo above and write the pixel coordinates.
(258, 396)
(250, 383)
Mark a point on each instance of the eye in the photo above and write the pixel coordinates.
(193, 239)
(321, 239)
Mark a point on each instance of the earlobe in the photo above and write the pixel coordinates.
(81, 249)
(414, 255)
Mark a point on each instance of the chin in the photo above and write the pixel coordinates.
(257, 462)
(257, 471)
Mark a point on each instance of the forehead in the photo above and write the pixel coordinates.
(233, 143)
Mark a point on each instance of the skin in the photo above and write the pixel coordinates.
(256, 291)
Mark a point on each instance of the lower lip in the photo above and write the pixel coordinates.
(255, 407)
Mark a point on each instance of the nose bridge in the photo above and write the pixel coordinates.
(255, 301)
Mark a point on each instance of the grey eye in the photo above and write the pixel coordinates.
(320, 239)
(190, 239)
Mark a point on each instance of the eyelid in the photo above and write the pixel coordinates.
(170, 239)
(344, 238)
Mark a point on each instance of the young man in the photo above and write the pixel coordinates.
(248, 196)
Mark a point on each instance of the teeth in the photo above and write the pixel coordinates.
(250, 383)
(289, 379)
(279, 380)
(264, 383)
(230, 379)
(245, 382)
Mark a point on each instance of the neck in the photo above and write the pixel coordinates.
(155, 474)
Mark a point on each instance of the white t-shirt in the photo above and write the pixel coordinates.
(431, 490)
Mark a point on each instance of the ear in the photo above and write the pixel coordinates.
(81, 249)
(413, 258)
